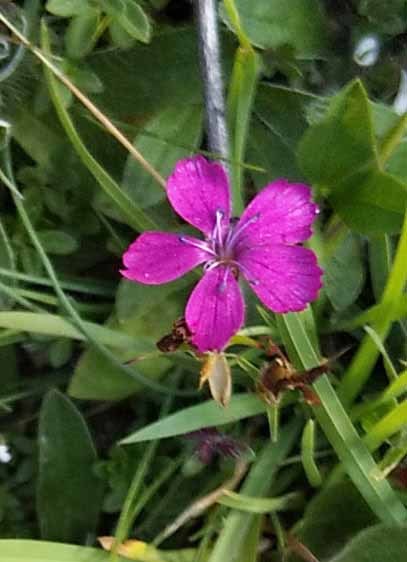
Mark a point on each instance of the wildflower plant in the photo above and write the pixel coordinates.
(88, 167)
(261, 246)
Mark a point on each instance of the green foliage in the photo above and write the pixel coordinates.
(270, 25)
(66, 454)
(368, 199)
(378, 543)
(299, 105)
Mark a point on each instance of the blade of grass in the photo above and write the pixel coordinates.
(55, 325)
(308, 454)
(252, 504)
(334, 421)
(390, 424)
(130, 508)
(238, 526)
(206, 414)
(368, 352)
(245, 74)
(94, 287)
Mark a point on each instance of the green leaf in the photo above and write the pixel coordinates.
(259, 505)
(368, 199)
(134, 299)
(58, 242)
(130, 16)
(298, 23)
(344, 274)
(54, 325)
(170, 135)
(96, 379)
(238, 526)
(81, 34)
(67, 8)
(69, 493)
(378, 544)
(308, 454)
(278, 123)
(41, 551)
(151, 77)
(134, 215)
(389, 15)
(119, 36)
(240, 100)
(328, 523)
(207, 414)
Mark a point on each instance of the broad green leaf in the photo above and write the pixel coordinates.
(206, 414)
(12, 550)
(133, 19)
(163, 74)
(328, 523)
(378, 544)
(67, 8)
(170, 135)
(119, 36)
(81, 34)
(397, 163)
(277, 125)
(368, 199)
(69, 493)
(298, 23)
(344, 273)
(380, 260)
(134, 299)
(58, 242)
(96, 379)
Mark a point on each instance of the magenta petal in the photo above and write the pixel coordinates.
(285, 278)
(282, 213)
(215, 310)
(197, 189)
(158, 257)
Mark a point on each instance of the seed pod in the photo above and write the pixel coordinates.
(217, 372)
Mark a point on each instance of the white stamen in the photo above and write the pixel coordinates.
(197, 244)
(234, 234)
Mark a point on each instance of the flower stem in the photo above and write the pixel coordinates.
(207, 19)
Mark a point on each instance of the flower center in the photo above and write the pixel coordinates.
(222, 242)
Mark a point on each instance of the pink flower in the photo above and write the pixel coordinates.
(261, 246)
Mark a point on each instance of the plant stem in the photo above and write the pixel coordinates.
(206, 15)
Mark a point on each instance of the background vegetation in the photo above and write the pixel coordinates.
(316, 91)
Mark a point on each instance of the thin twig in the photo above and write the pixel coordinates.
(211, 70)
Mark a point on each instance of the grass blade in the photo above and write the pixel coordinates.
(207, 414)
(335, 423)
